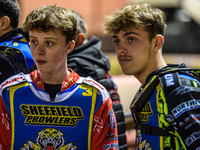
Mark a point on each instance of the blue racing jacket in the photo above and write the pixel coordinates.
(80, 117)
(15, 54)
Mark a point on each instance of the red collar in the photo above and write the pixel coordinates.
(66, 84)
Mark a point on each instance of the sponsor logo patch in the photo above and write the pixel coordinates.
(183, 107)
(146, 111)
(111, 119)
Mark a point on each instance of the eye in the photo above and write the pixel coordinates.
(130, 39)
(48, 43)
(116, 41)
(34, 42)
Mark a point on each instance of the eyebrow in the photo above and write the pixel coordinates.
(126, 34)
(45, 37)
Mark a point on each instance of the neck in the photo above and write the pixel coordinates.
(156, 66)
(54, 78)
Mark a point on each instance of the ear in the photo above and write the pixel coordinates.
(158, 42)
(80, 38)
(70, 46)
(4, 23)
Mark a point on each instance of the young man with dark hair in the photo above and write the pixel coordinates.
(53, 107)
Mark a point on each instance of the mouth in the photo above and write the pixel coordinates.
(124, 60)
(40, 62)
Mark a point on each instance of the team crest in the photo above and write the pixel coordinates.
(49, 139)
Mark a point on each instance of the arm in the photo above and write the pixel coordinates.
(104, 134)
(5, 126)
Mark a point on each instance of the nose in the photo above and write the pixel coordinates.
(40, 50)
(122, 48)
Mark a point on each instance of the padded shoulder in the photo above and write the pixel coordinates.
(14, 80)
(91, 82)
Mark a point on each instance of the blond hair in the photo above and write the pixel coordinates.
(141, 16)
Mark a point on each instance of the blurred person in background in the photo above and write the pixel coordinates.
(87, 59)
(166, 106)
(15, 54)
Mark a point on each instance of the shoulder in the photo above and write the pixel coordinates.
(178, 78)
(13, 34)
(183, 73)
(13, 80)
(95, 84)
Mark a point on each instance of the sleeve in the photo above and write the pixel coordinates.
(104, 134)
(5, 126)
(184, 113)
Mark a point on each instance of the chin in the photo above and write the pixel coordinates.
(42, 70)
(126, 72)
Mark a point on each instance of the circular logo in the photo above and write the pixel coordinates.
(111, 119)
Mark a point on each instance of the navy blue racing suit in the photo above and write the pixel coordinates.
(166, 110)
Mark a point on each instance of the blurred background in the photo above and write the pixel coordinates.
(182, 38)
